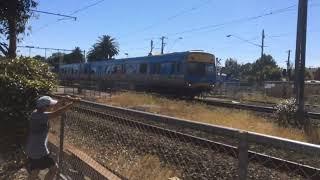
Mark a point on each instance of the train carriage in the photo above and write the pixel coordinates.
(183, 73)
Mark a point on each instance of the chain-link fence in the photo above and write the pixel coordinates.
(103, 141)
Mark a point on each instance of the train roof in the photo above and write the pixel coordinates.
(160, 57)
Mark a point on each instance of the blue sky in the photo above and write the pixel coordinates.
(135, 23)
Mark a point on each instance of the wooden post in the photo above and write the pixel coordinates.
(243, 155)
(60, 160)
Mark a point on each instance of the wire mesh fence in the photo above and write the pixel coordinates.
(99, 143)
(268, 94)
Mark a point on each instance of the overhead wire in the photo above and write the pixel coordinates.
(183, 12)
(219, 26)
(73, 13)
(240, 20)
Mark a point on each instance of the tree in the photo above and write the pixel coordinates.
(308, 75)
(246, 72)
(14, 15)
(232, 68)
(40, 58)
(266, 69)
(75, 56)
(317, 74)
(55, 59)
(21, 82)
(105, 48)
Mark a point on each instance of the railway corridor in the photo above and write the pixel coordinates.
(135, 149)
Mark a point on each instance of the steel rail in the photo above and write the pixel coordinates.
(252, 107)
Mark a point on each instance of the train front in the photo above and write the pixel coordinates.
(200, 74)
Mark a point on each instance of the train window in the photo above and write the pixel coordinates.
(99, 71)
(109, 69)
(143, 68)
(130, 68)
(167, 68)
(106, 70)
(114, 70)
(123, 69)
(210, 68)
(119, 69)
(196, 68)
(178, 67)
(93, 71)
(155, 68)
(172, 68)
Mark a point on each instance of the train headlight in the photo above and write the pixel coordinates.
(189, 85)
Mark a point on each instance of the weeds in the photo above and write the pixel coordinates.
(240, 119)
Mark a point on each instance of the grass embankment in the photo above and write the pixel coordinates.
(240, 119)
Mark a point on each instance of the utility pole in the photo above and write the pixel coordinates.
(300, 57)
(288, 65)
(262, 43)
(45, 53)
(84, 56)
(151, 48)
(162, 43)
(29, 52)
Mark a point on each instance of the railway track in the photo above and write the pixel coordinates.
(130, 120)
(252, 107)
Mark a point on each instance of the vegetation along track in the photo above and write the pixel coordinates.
(261, 165)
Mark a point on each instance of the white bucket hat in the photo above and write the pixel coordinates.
(45, 101)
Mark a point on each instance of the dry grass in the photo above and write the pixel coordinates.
(259, 97)
(239, 119)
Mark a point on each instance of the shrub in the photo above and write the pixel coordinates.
(21, 82)
(286, 112)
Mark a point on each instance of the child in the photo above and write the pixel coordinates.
(37, 143)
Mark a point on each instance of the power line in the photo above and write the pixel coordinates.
(44, 48)
(56, 14)
(86, 7)
(244, 40)
(74, 12)
(183, 12)
(240, 20)
(219, 26)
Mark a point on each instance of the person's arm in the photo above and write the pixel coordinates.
(56, 113)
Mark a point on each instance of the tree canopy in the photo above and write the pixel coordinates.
(317, 74)
(38, 57)
(263, 69)
(232, 68)
(266, 69)
(76, 56)
(14, 15)
(106, 48)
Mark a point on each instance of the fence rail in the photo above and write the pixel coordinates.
(128, 142)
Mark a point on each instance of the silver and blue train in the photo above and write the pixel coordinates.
(180, 73)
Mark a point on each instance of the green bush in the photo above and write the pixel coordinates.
(21, 82)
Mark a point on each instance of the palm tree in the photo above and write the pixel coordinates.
(106, 48)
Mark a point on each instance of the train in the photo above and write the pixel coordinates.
(186, 73)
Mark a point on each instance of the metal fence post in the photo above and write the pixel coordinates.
(243, 155)
(60, 160)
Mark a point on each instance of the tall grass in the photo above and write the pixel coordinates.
(240, 119)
